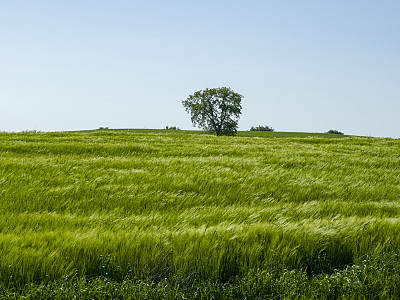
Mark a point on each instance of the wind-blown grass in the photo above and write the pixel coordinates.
(190, 208)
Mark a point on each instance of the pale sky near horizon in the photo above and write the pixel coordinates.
(306, 66)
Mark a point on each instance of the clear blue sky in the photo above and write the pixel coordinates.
(305, 65)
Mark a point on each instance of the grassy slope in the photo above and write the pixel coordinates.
(157, 204)
(267, 134)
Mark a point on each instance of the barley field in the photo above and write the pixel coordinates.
(158, 214)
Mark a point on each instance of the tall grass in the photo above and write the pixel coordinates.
(158, 205)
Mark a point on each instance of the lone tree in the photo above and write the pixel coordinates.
(215, 110)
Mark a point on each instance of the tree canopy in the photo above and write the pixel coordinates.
(215, 110)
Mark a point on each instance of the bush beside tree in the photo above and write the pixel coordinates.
(171, 128)
(334, 132)
(261, 128)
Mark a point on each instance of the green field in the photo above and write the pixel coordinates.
(179, 214)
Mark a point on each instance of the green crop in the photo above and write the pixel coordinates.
(162, 206)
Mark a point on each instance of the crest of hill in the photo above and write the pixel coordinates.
(267, 134)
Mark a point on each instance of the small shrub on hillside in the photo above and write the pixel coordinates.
(261, 128)
(334, 132)
(172, 128)
(31, 131)
(103, 128)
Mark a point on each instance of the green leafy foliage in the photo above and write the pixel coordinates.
(334, 132)
(261, 128)
(215, 110)
(171, 128)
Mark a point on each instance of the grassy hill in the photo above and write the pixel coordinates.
(175, 214)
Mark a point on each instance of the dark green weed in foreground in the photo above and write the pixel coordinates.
(371, 277)
(190, 210)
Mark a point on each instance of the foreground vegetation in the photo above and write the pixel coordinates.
(172, 214)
